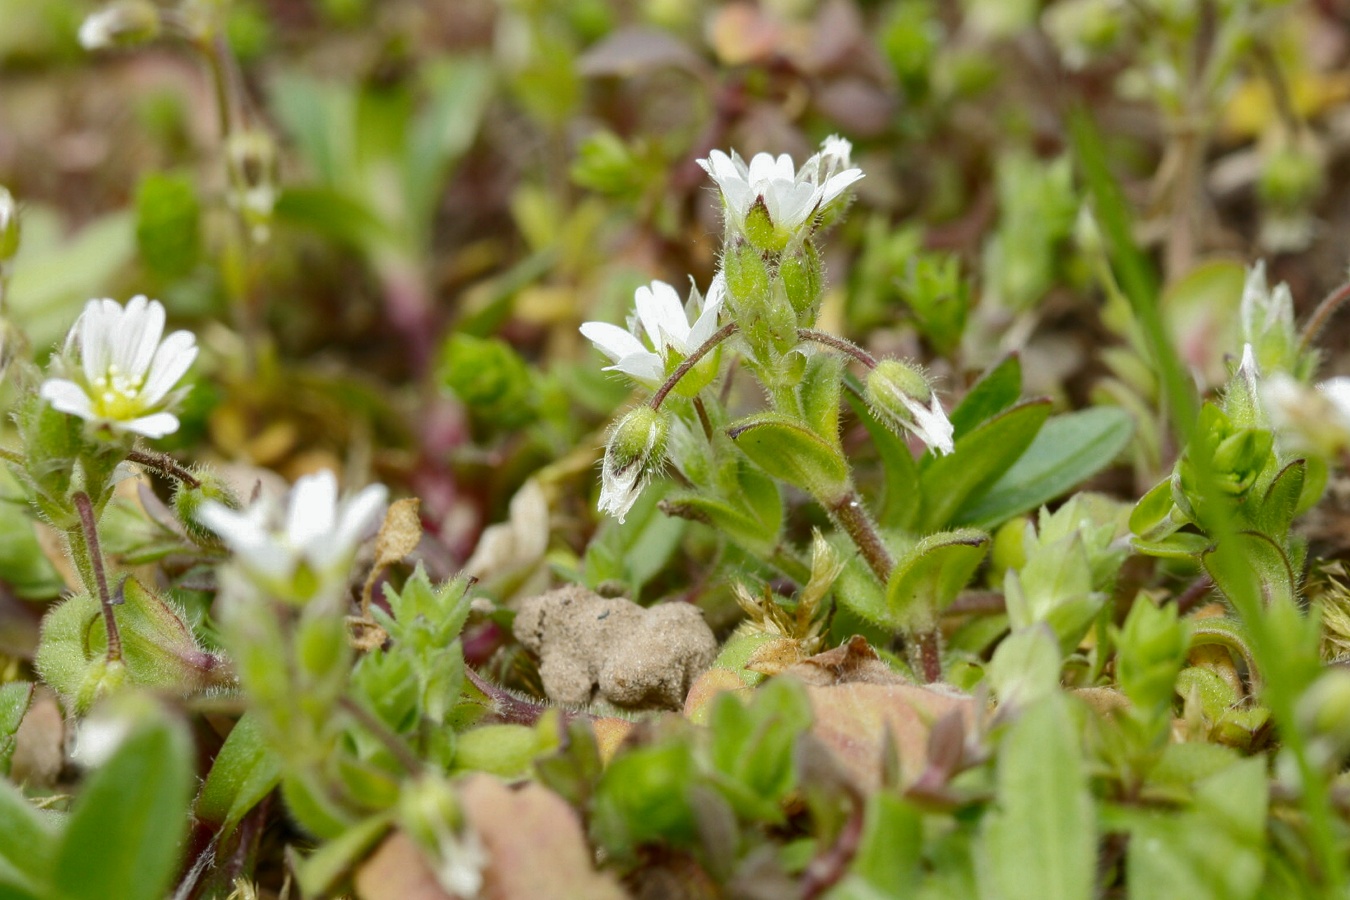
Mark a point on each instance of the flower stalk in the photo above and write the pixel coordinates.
(88, 555)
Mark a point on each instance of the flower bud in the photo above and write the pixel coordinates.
(1323, 714)
(802, 273)
(124, 23)
(897, 392)
(636, 449)
(747, 281)
(9, 226)
(188, 500)
(252, 159)
(429, 813)
(1267, 318)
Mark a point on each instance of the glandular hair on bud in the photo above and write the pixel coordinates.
(891, 376)
(747, 279)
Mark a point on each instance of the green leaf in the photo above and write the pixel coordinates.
(330, 212)
(785, 449)
(928, 577)
(1211, 852)
(890, 851)
(979, 460)
(822, 383)
(997, 389)
(635, 550)
(14, 699)
(1132, 268)
(1280, 504)
(900, 497)
(1068, 450)
(168, 223)
(1040, 842)
(27, 845)
(244, 772)
(319, 872)
(126, 830)
(460, 89)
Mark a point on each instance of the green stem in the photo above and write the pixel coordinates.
(84, 546)
(690, 361)
(381, 732)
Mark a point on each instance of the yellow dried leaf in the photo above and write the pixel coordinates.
(400, 533)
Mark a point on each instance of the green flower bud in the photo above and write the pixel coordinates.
(1152, 647)
(1291, 178)
(760, 229)
(188, 500)
(748, 281)
(636, 450)
(803, 278)
(900, 396)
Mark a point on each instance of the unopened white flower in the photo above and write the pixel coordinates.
(308, 547)
(901, 395)
(636, 449)
(126, 375)
(120, 24)
(664, 320)
(790, 195)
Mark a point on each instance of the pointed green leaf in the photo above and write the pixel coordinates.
(126, 830)
(785, 449)
(27, 845)
(244, 772)
(1040, 841)
(1068, 450)
(14, 700)
(979, 460)
(900, 496)
(930, 576)
(997, 389)
(822, 384)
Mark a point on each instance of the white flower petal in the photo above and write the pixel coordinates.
(611, 340)
(312, 513)
(155, 425)
(169, 364)
(644, 367)
(67, 397)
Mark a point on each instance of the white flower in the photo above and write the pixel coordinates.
(636, 449)
(898, 392)
(930, 424)
(790, 196)
(125, 373)
(1309, 418)
(665, 321)
(122, 24)
(316, 533)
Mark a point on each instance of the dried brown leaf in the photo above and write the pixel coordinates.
(534, 842)
(399, 534)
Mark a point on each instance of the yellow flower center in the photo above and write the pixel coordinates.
(117, 396)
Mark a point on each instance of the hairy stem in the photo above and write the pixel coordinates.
(1325, 310)
(86, 546)
(840, 344)
(849, 514)
(690, 361)
(163, 464)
